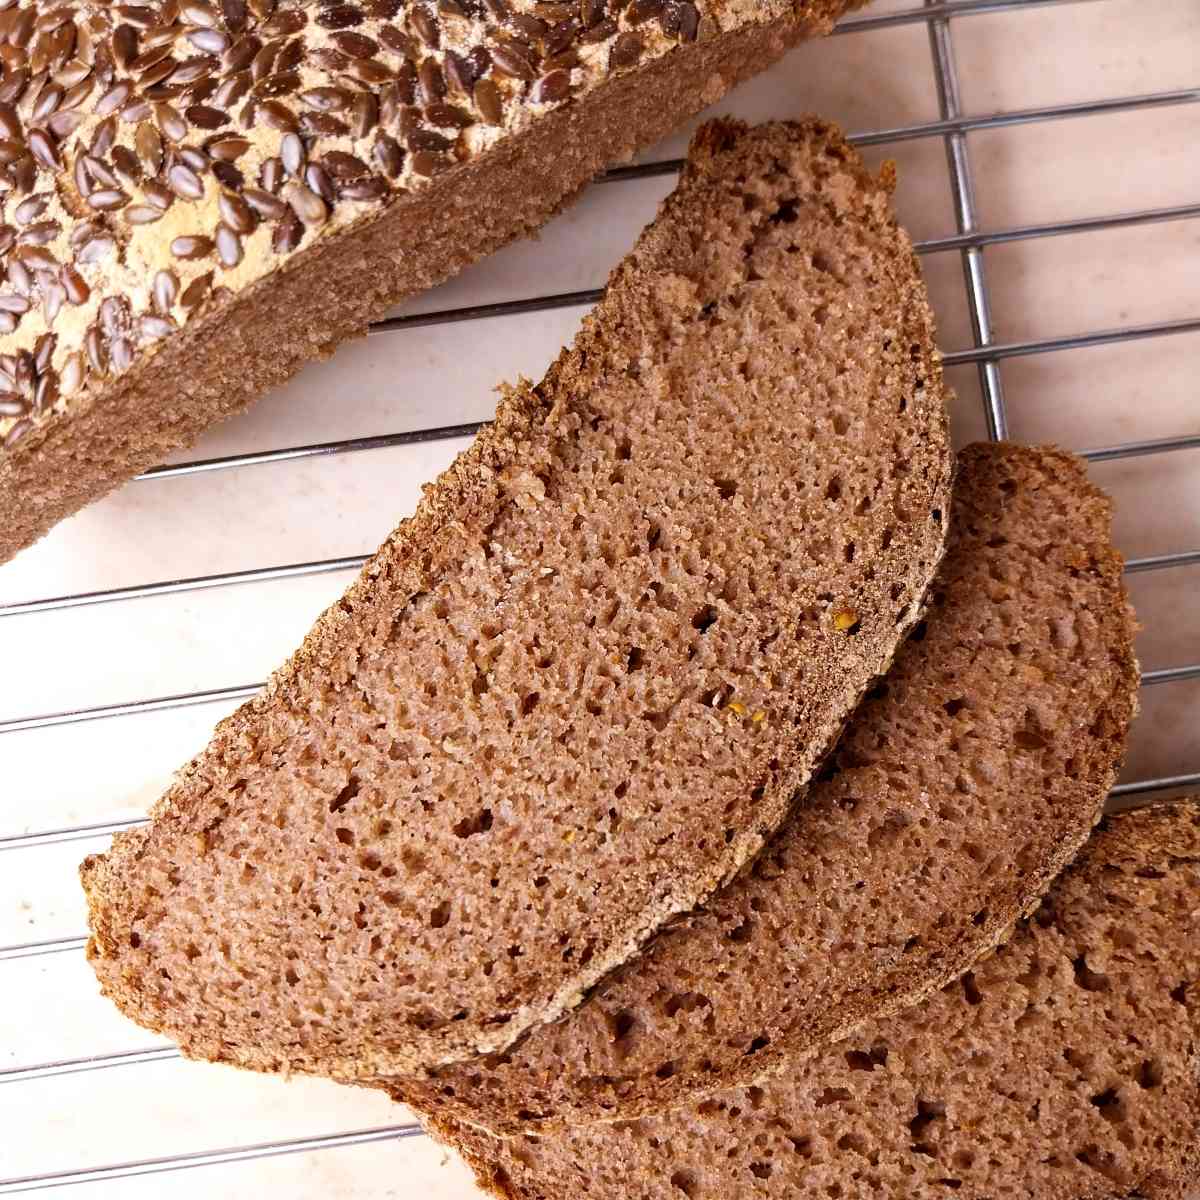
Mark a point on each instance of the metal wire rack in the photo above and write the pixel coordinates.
(985, 352)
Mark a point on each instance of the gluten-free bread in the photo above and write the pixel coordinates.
(1063, 1068)
(202, 196)
(579, 688)
(963, 785)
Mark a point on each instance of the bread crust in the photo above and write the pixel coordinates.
(170, 339)
(536, 431)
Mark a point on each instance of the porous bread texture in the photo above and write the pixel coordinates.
(963, 785)
(137, 336)
(1064, 1067)
(579, 688)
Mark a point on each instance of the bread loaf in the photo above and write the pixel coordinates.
(1063, 1068)
(580, 687)
(202, 195)
(963, 785)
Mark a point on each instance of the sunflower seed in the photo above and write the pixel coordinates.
(292, 154)
(552, 88)
(398, 42)
(235, 15)
(29, 210)
(113, 98)
(192, 156)
(194, 12)
(447, 116)
(48, 100)
(599, 32)
(12, 404)
(11, 302)
(229, 246)
(368, 71)
(241, 54)
(232, 90)
(363, 189)
(426, 163)
(53, 298)
(124, 43)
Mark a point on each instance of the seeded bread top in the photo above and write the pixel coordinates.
(1064, 1068)
(962, 786)
(160, 158)
(580, 687)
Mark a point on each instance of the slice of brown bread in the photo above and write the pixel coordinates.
(962, 787)
(1064, 1068)
(179, 241)
(576, 691)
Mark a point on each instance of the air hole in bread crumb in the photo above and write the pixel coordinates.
(1150, 1074)
(439, 918)
(634, 660)
(345, 836)
(291, 976)
(1179, 994)
(971, 989)
(704, 618)
(685, 1182)
(1089, 980)
(726, 488)
(831, 1096)
(761, 1170)
(786, 213)
(928, 1111)
(665, 1071)
(980, 918)
(370, 861)
(339, 802)
(135, 939)
(955, 706)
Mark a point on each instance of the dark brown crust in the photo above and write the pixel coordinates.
(1159, 836)
(518, 1094)
(463, 502)
(218, 365)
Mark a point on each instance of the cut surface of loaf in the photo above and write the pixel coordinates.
(962, 786)
(202, 198)
(579, 688)
(1063, 1068)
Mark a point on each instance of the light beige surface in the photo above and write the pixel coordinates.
(407, 380)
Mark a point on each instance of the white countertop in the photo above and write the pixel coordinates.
(269, 515)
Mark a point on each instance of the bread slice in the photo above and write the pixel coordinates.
(1063, 1068)
(219, 193)
(576, 691)
(964, 784)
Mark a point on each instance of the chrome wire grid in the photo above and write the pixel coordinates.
(985, 353)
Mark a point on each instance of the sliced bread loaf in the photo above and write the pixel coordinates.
(964, 784)
(202, 198)
(1064, 1068)
(579, 688)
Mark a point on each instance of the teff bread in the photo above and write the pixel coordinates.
(203, 195)
(576, 691)
(962, 787)
(1064, 1068)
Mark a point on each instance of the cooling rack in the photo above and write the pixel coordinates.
(986, 355)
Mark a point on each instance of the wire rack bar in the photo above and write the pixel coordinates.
(943, 9)
(1159, 562)
(64, 945)
(90, 1062)
(72, 833)
(952, 358)
(1139, 449)
(208, 1158)
(962, 186)
(1075, 341)
(101, 712)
